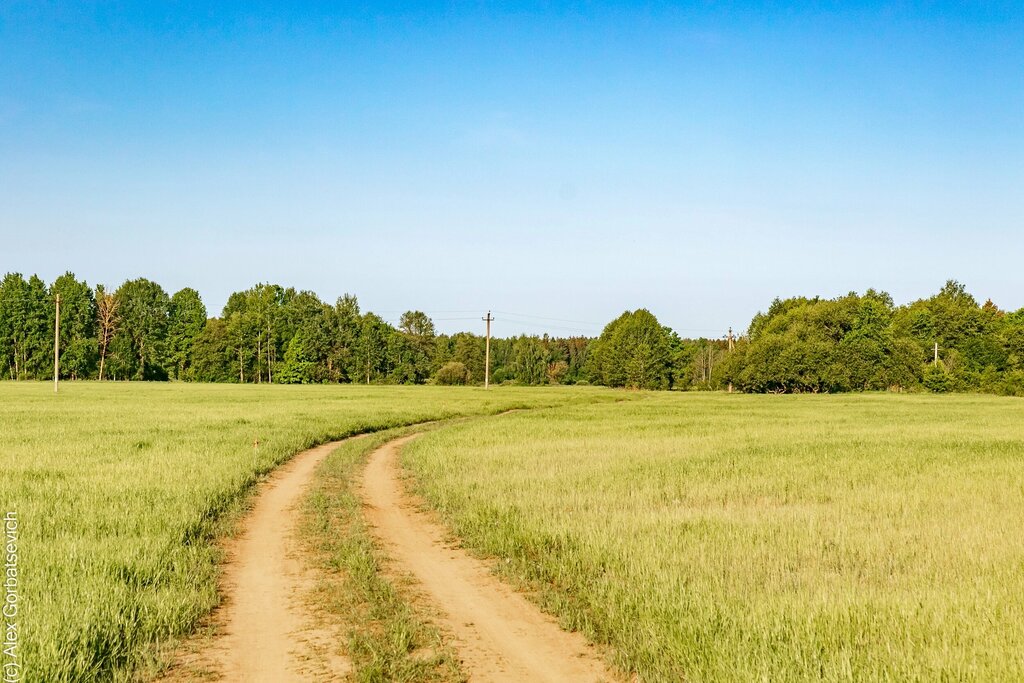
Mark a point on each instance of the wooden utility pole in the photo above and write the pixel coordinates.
(936, 361)
(731, 346)
(56, 346)
(487, 352)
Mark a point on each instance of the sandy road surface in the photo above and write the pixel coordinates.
(264, 630)
(499, 634)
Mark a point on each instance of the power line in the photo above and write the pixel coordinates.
(448, 319)
(697, 329)
(601, 325)
(540, 317)
(553, 327)
(397, 323)
(429, 313)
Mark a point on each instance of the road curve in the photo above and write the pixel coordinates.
(264, 629)
(499, 634)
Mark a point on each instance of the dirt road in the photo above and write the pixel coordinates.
(500, 636)
(265, 629)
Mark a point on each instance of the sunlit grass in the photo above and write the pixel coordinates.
(758, 538)
(120, 489)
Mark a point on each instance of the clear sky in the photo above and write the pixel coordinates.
(563, 161)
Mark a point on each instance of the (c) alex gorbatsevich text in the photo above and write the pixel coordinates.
(11, 669)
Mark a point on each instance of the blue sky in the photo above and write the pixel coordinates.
(562, 162)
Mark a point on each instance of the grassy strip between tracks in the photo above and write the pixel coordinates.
(387, 637)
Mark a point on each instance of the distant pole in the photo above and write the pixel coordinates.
(731, 345)
(936, 361)
(56, 346)
(487, 352)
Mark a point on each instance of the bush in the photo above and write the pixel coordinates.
(557, 371)
(938, 380)
(1014, 384)
(451, 374)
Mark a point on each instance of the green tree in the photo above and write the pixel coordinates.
(299, 362)
(78, 350)
(26, 327)
(212, 357)
(469, 349)
(842, 344)
(575, 351)
(265, 304)
(401, 359)
(1012, 336)
(186, 320)
(529, 365)
(256, 326)
(304, 314)
(413, 355)
(633, 351)
(140, 342)
(371, 352)
(239, 330)
(341, 361)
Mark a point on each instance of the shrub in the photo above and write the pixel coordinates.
(938, 380)
(453, 373)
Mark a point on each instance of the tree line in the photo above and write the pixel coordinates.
(269, 333)
(266, 333)
(947, 342)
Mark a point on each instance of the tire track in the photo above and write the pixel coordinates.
(499, 634)
(265, 630)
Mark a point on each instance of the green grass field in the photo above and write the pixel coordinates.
(120, 490)
(758, 538)
(700, 536)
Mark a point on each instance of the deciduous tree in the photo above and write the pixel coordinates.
(141, 338)
(186, 320)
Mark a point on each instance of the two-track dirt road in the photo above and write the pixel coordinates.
(499, 634)
(266, 629)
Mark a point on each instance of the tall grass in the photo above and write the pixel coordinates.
(120, 488)
(758, 538)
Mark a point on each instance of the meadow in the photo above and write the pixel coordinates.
(706, 537)
(122, 489)
(715, 537)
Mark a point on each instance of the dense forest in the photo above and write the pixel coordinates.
(270, 333)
